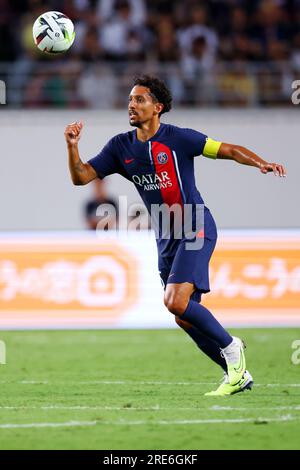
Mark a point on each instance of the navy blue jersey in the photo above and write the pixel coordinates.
(162, 170)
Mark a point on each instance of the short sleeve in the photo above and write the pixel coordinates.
(194, 141)
(106, 163)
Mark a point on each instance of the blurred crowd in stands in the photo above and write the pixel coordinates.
(216, 52)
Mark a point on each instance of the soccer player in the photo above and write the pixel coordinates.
(159, 159)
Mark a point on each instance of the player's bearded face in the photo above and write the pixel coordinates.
(141, 106)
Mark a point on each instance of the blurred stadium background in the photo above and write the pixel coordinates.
(216, 53)
(230, 66)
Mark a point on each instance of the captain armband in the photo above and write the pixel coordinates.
(211, 148)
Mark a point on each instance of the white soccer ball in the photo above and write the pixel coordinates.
(53, 32)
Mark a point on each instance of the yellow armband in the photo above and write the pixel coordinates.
(211, 148)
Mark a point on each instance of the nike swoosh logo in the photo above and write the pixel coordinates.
(171, 274)
(129, 160)
(241, 365)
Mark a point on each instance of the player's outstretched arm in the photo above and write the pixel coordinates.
(246, 157)
(81, 173)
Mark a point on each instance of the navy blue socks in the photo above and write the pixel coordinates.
(207, 345)
(203, 320)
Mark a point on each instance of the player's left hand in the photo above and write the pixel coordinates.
(277, 169)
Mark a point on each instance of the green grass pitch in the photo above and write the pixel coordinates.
(144, 390)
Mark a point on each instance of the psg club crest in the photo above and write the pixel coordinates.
(162, 157)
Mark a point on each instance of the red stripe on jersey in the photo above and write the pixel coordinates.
(166, 171)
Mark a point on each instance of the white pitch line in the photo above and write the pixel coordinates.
(232, 408)
(33, 382)
(160, 422)
(106, 382)
(111, 382)
(150, 408)
(91, 408)
(128, 382)
(48, 425)
(208, 421)
(280, 385)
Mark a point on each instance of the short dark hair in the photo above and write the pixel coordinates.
(158, 90)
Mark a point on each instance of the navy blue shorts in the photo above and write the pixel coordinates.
(188, 266)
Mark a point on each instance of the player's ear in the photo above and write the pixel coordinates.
(159, 107)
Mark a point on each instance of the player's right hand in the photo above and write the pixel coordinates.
(73, 132)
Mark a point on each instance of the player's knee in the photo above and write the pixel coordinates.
(175, 304)
(183, 324)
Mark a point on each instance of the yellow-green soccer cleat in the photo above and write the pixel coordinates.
(225, 388)
(235, 360)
